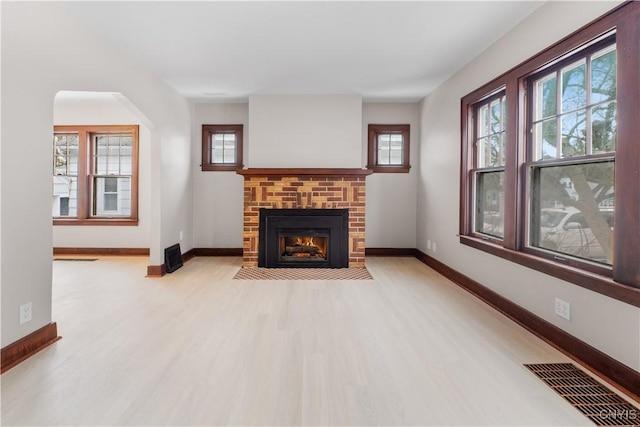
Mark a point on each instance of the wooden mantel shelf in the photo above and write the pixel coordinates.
(304, 172)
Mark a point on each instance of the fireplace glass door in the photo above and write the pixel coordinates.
(304, 247)
(303, 238)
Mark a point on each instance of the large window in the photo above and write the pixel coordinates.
(221, 147)
(388, 148)
(550, 160)
(95, 175)
(572, 156)
(489, 156)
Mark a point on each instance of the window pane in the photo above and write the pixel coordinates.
(484, 152)
(113, 165)
(572, 210)
(218, 141)
(603, 128)
(112, 196)
(65, 171)
(603, 76)
(489, 213)
(126, 165)
(384, 148)
(110, 202)
(395, 154)
(114, 145)
(64, 206)
(546, 139)
(217, 148)
(496, 117)
(574, 134)
(110, 185)
(483, 121)
(546, 89)
(229, 154)
(495, 150)
(217, 155)
(395, 157)
(491, 118)
(102, 151)
(65, 196)
(65, 154)
(102, 142)
(223, 148)
(574, 93)
(113, 155)
(72, 167)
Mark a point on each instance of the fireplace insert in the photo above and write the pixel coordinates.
(317, 238)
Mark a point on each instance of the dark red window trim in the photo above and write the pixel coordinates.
(207, 132)
(372, 148)
(621, 282)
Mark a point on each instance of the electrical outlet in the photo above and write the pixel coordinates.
(429, 244)
(26, 312)
(563, 309)
(181, 235)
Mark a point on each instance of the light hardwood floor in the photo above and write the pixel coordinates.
(198, 348)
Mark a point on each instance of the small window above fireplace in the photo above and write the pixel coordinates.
(221, 147)
(388, 149)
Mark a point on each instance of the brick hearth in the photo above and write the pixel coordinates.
(304, 189)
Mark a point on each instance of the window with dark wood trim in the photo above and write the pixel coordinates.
(95, 175)
(488, 130)
(388, 148)
(569, 178)
(221, 147)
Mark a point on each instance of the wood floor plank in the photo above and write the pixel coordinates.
(199, 348)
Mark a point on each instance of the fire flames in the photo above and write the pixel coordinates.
(304, 247)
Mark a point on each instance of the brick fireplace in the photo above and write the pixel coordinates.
(272, 188)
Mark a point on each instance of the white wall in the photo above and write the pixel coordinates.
(304, 131)
(218, 196)
(108, 110)
(609, 325)
(391, 197)
(38, 40)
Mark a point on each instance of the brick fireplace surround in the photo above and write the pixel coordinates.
(273, 188)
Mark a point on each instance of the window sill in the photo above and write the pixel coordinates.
(592, 281)
(97, 221)
(221, 168)
(389, 169)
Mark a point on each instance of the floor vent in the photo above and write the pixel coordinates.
(601, 405)
(173, 258)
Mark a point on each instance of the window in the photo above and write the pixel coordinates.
(95, 175)
(572, 145)
(489, 153)
(550, 160)
(221, 147)
(388, 149)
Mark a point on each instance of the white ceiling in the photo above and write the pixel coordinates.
(383, 50)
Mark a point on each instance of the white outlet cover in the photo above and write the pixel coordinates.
(26, 313)
(563, 309)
